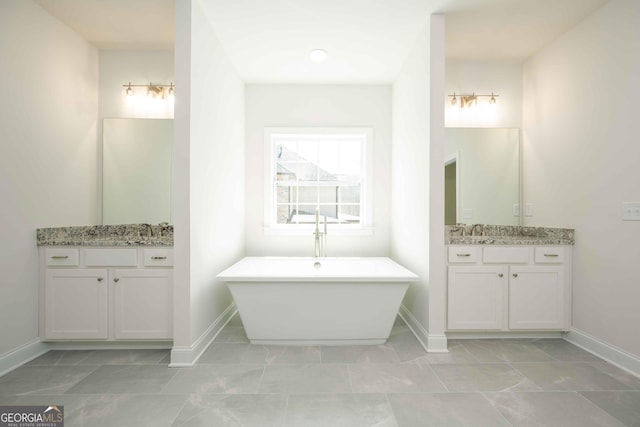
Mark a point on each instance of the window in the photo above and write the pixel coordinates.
(319, 170)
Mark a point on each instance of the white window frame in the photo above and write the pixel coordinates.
(271, 227)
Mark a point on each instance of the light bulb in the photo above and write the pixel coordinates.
(155, 91)
(129, 90)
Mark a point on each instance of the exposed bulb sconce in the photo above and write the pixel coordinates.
(153, 90)
(468, 100)
(471, 100)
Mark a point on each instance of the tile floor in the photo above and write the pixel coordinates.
(478, 383)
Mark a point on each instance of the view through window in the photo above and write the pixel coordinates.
(322, 172)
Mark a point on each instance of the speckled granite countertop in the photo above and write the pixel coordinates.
(507, 235)
(106, 235)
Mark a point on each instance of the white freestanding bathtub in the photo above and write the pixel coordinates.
(317, 301)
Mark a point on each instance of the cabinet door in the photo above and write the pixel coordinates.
(76, 302)
(475, 297)
(143, 303)
(536, 297)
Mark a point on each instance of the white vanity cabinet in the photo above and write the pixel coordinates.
(476, 297)
(537, 298)
(113, 293)
(75, 303)
(143, 303)
(504, 288)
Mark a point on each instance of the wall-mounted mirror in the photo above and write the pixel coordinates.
(482, 176)
(136, 170)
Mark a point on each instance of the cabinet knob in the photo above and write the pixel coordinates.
(158, 257)
(100, 279)
(60, 257)
(551, 255)
(463, 255)
(116, 279)
(515, 274)
(500, 275)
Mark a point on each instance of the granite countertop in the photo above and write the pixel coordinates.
(106, 235)
(508, 235)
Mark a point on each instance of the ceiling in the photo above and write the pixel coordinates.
(367, 40)
(118, 24)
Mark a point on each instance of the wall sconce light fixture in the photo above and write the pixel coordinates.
(153, 90)
(471, 100)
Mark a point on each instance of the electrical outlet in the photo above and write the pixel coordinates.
(631, 211)
(516, 209)
(528, 209)
(467, 213)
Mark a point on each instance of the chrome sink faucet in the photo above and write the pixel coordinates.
(479, 227)
(458, 227)
(149, 230)
(163, 226)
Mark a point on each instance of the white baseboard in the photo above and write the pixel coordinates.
(432, 343)
(612, 354)
(437, 343)
(180, 356)
(186, 357)
(109, 345)
(472, 335)
(21, 355)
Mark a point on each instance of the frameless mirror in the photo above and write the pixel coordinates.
(482, 176)
(136, 170)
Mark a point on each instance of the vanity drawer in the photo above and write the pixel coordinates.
(464, 254)
(158, 258)
(110, 257)
(506, 255)
(61, 256)
(549, 255)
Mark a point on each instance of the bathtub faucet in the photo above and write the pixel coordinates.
(320, 250)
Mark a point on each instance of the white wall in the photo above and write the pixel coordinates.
(484, 77)
(318, 106)
(417, 184)
(581, 156)
(208, 181)
(49, 86)
(119, 67)
(437, 340)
